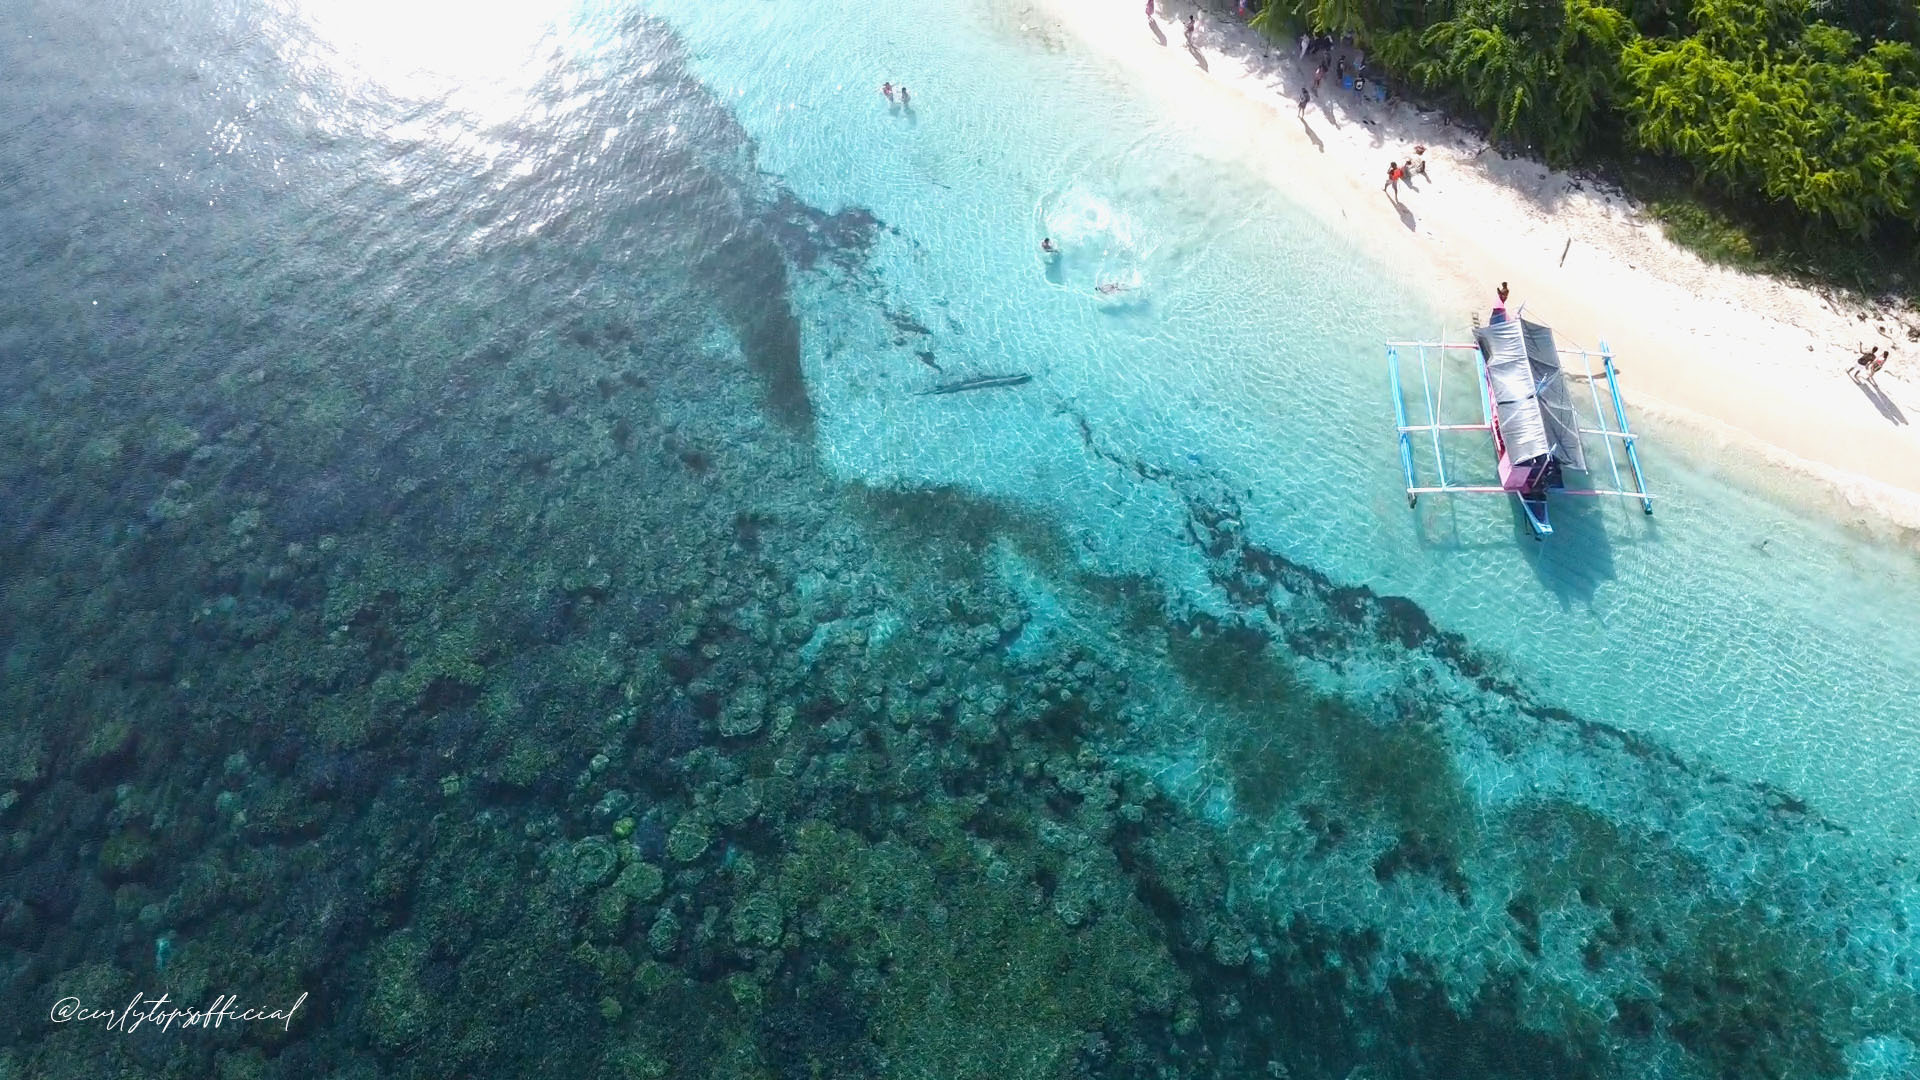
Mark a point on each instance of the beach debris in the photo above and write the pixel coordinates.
(980, 382)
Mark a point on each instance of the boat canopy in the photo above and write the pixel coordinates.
(1556, 402)
(1530, 395)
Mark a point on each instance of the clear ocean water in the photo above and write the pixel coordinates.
(1250, 355)
(283, 275)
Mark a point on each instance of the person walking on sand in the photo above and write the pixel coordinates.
(1304, 98)
(1304, 42)
(1874, 371)
(1318, 74)
(1393, 180)
(1193, 21)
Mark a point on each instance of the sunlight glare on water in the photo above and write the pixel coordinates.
(481, 59)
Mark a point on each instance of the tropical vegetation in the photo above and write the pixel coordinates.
(1806, 113)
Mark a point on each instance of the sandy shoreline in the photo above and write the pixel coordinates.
(1734, 359)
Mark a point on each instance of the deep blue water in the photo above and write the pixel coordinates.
(476, 551)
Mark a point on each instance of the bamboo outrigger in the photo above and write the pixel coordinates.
(1525, 404)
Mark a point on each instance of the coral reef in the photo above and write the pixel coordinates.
(511, 679)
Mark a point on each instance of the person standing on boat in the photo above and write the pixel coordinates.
(1499, 306)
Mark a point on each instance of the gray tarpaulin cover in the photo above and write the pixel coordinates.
(1530, 392)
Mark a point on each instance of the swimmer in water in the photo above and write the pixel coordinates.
(887, 89)
(1111, 287)
(1047, 245)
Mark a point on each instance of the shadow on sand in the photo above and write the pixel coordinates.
(1159, 35)
(1880, 399)
(1406, 215)
(1313, 136)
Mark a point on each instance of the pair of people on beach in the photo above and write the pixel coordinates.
(1407, 170)
(891, 90)
(1870, 363)
(1395, 174)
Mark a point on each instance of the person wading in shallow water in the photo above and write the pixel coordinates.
(904, 99)
(887, 89)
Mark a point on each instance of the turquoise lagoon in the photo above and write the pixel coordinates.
(1732, 625)
(404, 544)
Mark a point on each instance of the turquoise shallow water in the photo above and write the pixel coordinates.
(473, 533)
(1730, 625)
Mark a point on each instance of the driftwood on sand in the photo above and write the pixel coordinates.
(980, 382)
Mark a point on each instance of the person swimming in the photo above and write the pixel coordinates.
(1111, 287)
(1047, 245)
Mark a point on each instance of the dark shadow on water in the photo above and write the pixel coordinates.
(1055, 275)
(1880, 399)
(1578, 557)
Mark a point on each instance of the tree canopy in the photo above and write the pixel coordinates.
(1810, 105)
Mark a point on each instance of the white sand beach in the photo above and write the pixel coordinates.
(1712, 357)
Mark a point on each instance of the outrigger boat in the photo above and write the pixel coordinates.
(1526, 404)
